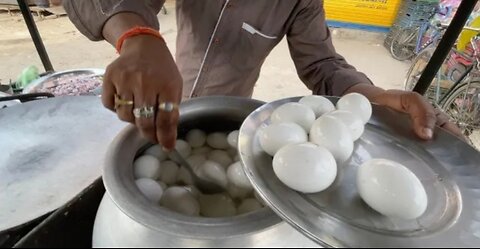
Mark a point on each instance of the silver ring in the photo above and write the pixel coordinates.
(144, 112)
(167, 106)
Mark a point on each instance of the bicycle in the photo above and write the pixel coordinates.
(460, 99)
(411, 41)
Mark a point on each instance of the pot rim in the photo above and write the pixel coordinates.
(120, 184)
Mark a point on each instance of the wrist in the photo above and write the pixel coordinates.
(137, 37)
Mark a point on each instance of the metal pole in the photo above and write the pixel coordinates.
(451, 35)
(37, 39)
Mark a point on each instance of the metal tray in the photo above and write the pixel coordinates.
(30, 88)
(448, 168)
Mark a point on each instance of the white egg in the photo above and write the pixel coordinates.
(319, 104)
(275, 136)
(146, 166)
(221, 157)
(391, 189)
(232, 138)
(352, 121)
(195, 160)
(306, 168)
(162, 184)
(202, 150)
(194, 191)
(180, 200)
(238, 193)
(248, 206)
(213, 171)
(232, 152)
(218, 205)
(156, 151)
(218, 140)
(196, 138)
(331, 133)
(150, 189)
(183, 149)
(357, 104)
(294, 113)
(169, 172)
(236, 175)
(184, 176)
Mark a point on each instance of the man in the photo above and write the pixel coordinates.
(221, 46)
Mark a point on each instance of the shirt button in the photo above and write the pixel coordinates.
(216, 40)
(229, 5)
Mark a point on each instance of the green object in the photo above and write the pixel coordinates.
(28, 75)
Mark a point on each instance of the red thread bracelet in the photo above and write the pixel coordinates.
(134, 32)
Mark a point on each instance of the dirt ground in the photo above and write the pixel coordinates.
(69, 49)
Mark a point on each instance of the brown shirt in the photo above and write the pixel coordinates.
(222, 44)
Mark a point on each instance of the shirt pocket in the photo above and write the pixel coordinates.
(254, 45)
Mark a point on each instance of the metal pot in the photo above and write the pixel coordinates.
(126, 218)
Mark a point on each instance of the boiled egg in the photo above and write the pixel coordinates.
(277, 135)
(294, 113)
(331, 133)
(320, 105)
(195, 160)
(180, 200)
(232, 138)
(220, 156)
(183, 149)
(218, 205)
(157, 151)
(201, 150)
(218, 140)
(146, 166)
(306, 168)
(391, 189)
(248, 206)
(150, 189)
(213, 171)
(169, 172)
(352, 121)
(184, 176)
(196, 138)
(237, 176)
(237, 192)
(357, 104)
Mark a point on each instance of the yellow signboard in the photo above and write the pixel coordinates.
(364, 12)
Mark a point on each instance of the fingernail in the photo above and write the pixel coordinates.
(165, 149)
(427, 132)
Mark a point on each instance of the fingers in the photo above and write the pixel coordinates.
(124, 106)
(146, 103)
(422, 114)
(167, 122)
(108, 91)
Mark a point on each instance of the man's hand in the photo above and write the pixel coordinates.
(146, 74)
(424, 116)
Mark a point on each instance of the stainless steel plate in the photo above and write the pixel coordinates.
(50, 151)
(85, 71)
(448, 168)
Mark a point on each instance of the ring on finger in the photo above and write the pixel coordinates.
(120, 102)
(167, 106)
(144, 112)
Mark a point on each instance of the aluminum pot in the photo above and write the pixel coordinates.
(126, 218)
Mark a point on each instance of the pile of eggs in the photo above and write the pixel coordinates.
(309, 139)
(214, 157)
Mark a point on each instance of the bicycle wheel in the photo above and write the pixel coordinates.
(463, 107)
(403, 44)
(415, 71)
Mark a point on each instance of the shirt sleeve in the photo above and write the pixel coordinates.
(318, 65)
(89, 16)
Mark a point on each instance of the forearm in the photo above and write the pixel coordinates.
(119, 24)
(372, 92)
